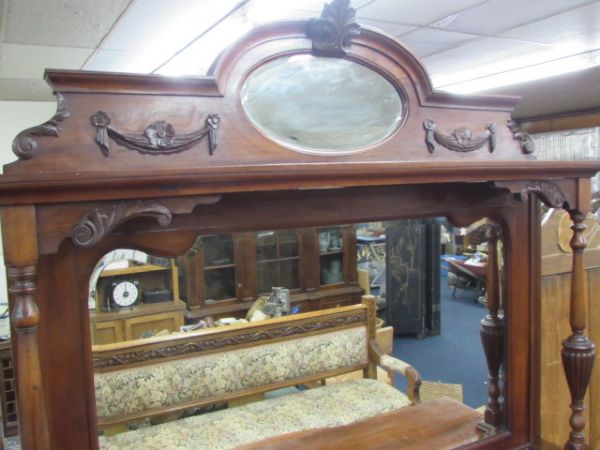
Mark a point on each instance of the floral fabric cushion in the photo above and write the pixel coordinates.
(328, 406)
(155, 386)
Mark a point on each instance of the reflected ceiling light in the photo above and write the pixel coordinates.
(519, 75)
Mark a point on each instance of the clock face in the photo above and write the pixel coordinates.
(125, 293)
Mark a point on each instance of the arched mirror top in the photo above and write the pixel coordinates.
(235, 130)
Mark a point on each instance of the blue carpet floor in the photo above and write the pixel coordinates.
(456, 355)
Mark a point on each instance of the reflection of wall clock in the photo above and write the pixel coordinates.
(124, 293)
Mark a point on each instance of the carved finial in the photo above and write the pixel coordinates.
(527, 144)
(333, 32)
(24, 146)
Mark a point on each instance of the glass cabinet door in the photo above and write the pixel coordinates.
(277, 260)
(331, 255)
(219, 268)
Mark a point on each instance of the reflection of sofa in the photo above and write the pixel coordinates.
(145, 379)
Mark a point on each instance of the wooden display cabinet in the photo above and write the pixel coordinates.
(109, 326)
(222, 275)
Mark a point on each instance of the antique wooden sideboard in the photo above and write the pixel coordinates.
(300, 124)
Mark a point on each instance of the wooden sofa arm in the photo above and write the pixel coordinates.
(392, 364)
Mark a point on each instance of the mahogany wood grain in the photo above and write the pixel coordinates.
(578, 351)
(261, 185)
(492, 332)
(437, 424)
(21, 255)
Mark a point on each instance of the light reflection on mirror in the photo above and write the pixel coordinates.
(322, 105)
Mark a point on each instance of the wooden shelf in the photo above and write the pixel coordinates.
(441, 423)
(137, 310)
(132, 269)
(335, 252)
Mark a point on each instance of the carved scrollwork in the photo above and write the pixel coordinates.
(527, 144)
(549, 193)
(332, 33)
(25, 146)
(102, 220)
(225, 341)
(461, 139)
(158, 138)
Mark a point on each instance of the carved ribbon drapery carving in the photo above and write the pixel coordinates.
(226, 341)
(25, 146)
(461, 139)
(332, 33)
(527, 144)
(102, 220)
(159, 138)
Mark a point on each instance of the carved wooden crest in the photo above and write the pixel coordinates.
(333, 32)
(159, 138)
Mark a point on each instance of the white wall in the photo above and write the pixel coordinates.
(15, 117)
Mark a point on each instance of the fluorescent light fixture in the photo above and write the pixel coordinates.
(519, 75)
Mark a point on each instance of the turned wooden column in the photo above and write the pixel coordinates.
(20, 253)
(578, 350)
(492, 334)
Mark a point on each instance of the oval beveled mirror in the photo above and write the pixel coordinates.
(322, 105)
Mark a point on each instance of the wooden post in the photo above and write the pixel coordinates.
(578, 350)
(20, 253)
(492, 335)
(369, 302)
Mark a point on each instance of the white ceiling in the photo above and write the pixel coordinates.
(457, 40)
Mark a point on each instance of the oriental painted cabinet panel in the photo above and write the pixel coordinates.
(413, 277)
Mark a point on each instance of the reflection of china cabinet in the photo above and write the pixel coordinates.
(157, 308)
(222, 275)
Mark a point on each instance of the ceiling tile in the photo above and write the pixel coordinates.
(413, 12)
(395, 29)
(68, 23)
(29, 61)
(577, 21)
(164, 26)
(456, 64)
(14, 89)
(125, 61)
(494, 16)
(425, 41)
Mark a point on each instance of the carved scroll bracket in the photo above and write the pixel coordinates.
(100, 221)
(332, 33)
(527, 144)
(25, 146)
(549, 193)
(159, 138)
(461, 139)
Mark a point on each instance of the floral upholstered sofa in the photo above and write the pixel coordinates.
(161, 376)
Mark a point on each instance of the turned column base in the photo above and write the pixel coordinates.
(578, 355)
